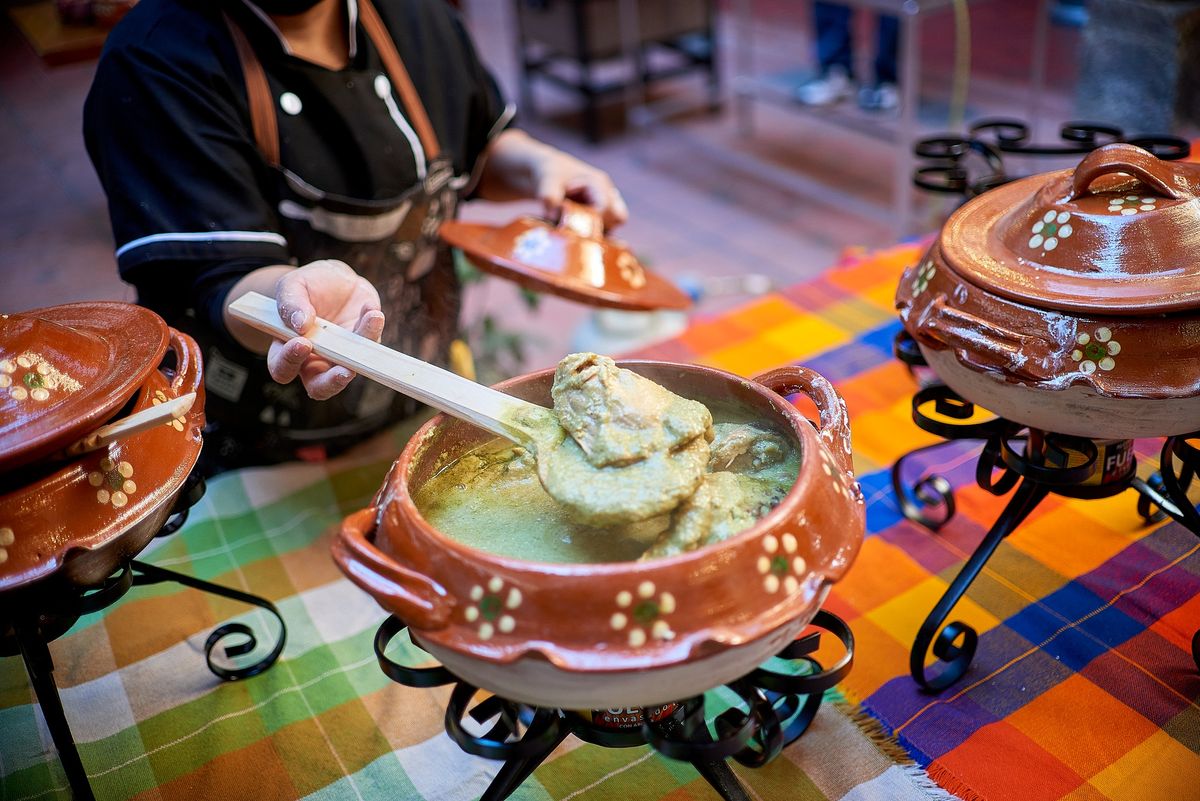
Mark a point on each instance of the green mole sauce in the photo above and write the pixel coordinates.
(490, 498)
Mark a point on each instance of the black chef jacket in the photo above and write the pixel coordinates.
(194, 204)
(167, 126)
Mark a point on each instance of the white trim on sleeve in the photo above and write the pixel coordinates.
(204, 236)
(510, 111)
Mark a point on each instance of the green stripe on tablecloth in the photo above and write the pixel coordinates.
(637, 767)
(33, 782)
(383, 778)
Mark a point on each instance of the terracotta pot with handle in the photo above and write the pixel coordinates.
(1070, 301)
(65, 371)
(616, 634)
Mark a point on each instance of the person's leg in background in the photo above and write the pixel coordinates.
(882, 95)
(835, 57)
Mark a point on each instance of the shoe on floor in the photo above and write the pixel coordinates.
(881, 97)
(828, 88)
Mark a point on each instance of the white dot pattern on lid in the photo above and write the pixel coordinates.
(290, 103)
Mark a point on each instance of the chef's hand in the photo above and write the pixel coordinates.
(327, 289)
(519, 166)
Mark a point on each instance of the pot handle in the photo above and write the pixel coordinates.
(189, 366)
(417, 600)
(964, 331)
(834, 428)
(1143, 165)
(582, 220)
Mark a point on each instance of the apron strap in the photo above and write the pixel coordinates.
(382, 40)
(262, 106)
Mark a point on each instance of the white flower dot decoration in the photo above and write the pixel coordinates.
(7, 538)
(642, 615)
(1132, 204)
(30, 377)
(1095, 351)
(160, 398)
(492, 606)
(1050, 230)
(834, 473)
(923, 276)
(781, 566)
(114, 482)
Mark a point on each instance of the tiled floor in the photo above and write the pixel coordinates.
(693, 214)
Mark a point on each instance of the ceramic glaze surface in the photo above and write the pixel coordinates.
(1083, 281)
(1118, 235)
(610, 619)
(77, 520)
(64, 370)
(572, 259)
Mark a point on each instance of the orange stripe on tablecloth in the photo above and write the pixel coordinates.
(254, 771)
(1071, 625)
(882, 267)
(767, 311)
(1009, 752)
(708, 335)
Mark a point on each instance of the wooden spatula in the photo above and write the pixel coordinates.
(128, 426)
(503, 415)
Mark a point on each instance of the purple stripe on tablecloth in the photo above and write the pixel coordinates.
(1143, 692)
(846, 361)
(815, 295)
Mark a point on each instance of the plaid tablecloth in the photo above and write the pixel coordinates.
(1082, 687)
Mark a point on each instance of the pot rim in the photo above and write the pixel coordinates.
(801, 428)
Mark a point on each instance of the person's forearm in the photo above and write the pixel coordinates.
(261, 280)
(509, 169)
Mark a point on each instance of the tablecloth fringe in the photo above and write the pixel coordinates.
(949, 790)
(953, 784)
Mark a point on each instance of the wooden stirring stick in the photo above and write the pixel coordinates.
(503, 415)
(133, 424)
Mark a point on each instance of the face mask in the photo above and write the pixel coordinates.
(285, 8)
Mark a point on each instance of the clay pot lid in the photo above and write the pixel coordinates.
(1118, 234)
(64, 370)
(572, 259)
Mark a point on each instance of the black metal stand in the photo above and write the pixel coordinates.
(1031, 464)
(972, 164)
(41, 615)
(774, 710)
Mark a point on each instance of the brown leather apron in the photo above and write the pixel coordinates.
(393, 244)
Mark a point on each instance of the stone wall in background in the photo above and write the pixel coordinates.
(1140, 65)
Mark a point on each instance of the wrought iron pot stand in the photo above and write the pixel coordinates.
(777, 703)
(34, 616)
(1031, 464)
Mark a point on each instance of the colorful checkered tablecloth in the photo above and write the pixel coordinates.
(1082, 687)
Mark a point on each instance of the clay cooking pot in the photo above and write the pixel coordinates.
(1070, 301)
(65, 371)
(592, 636)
